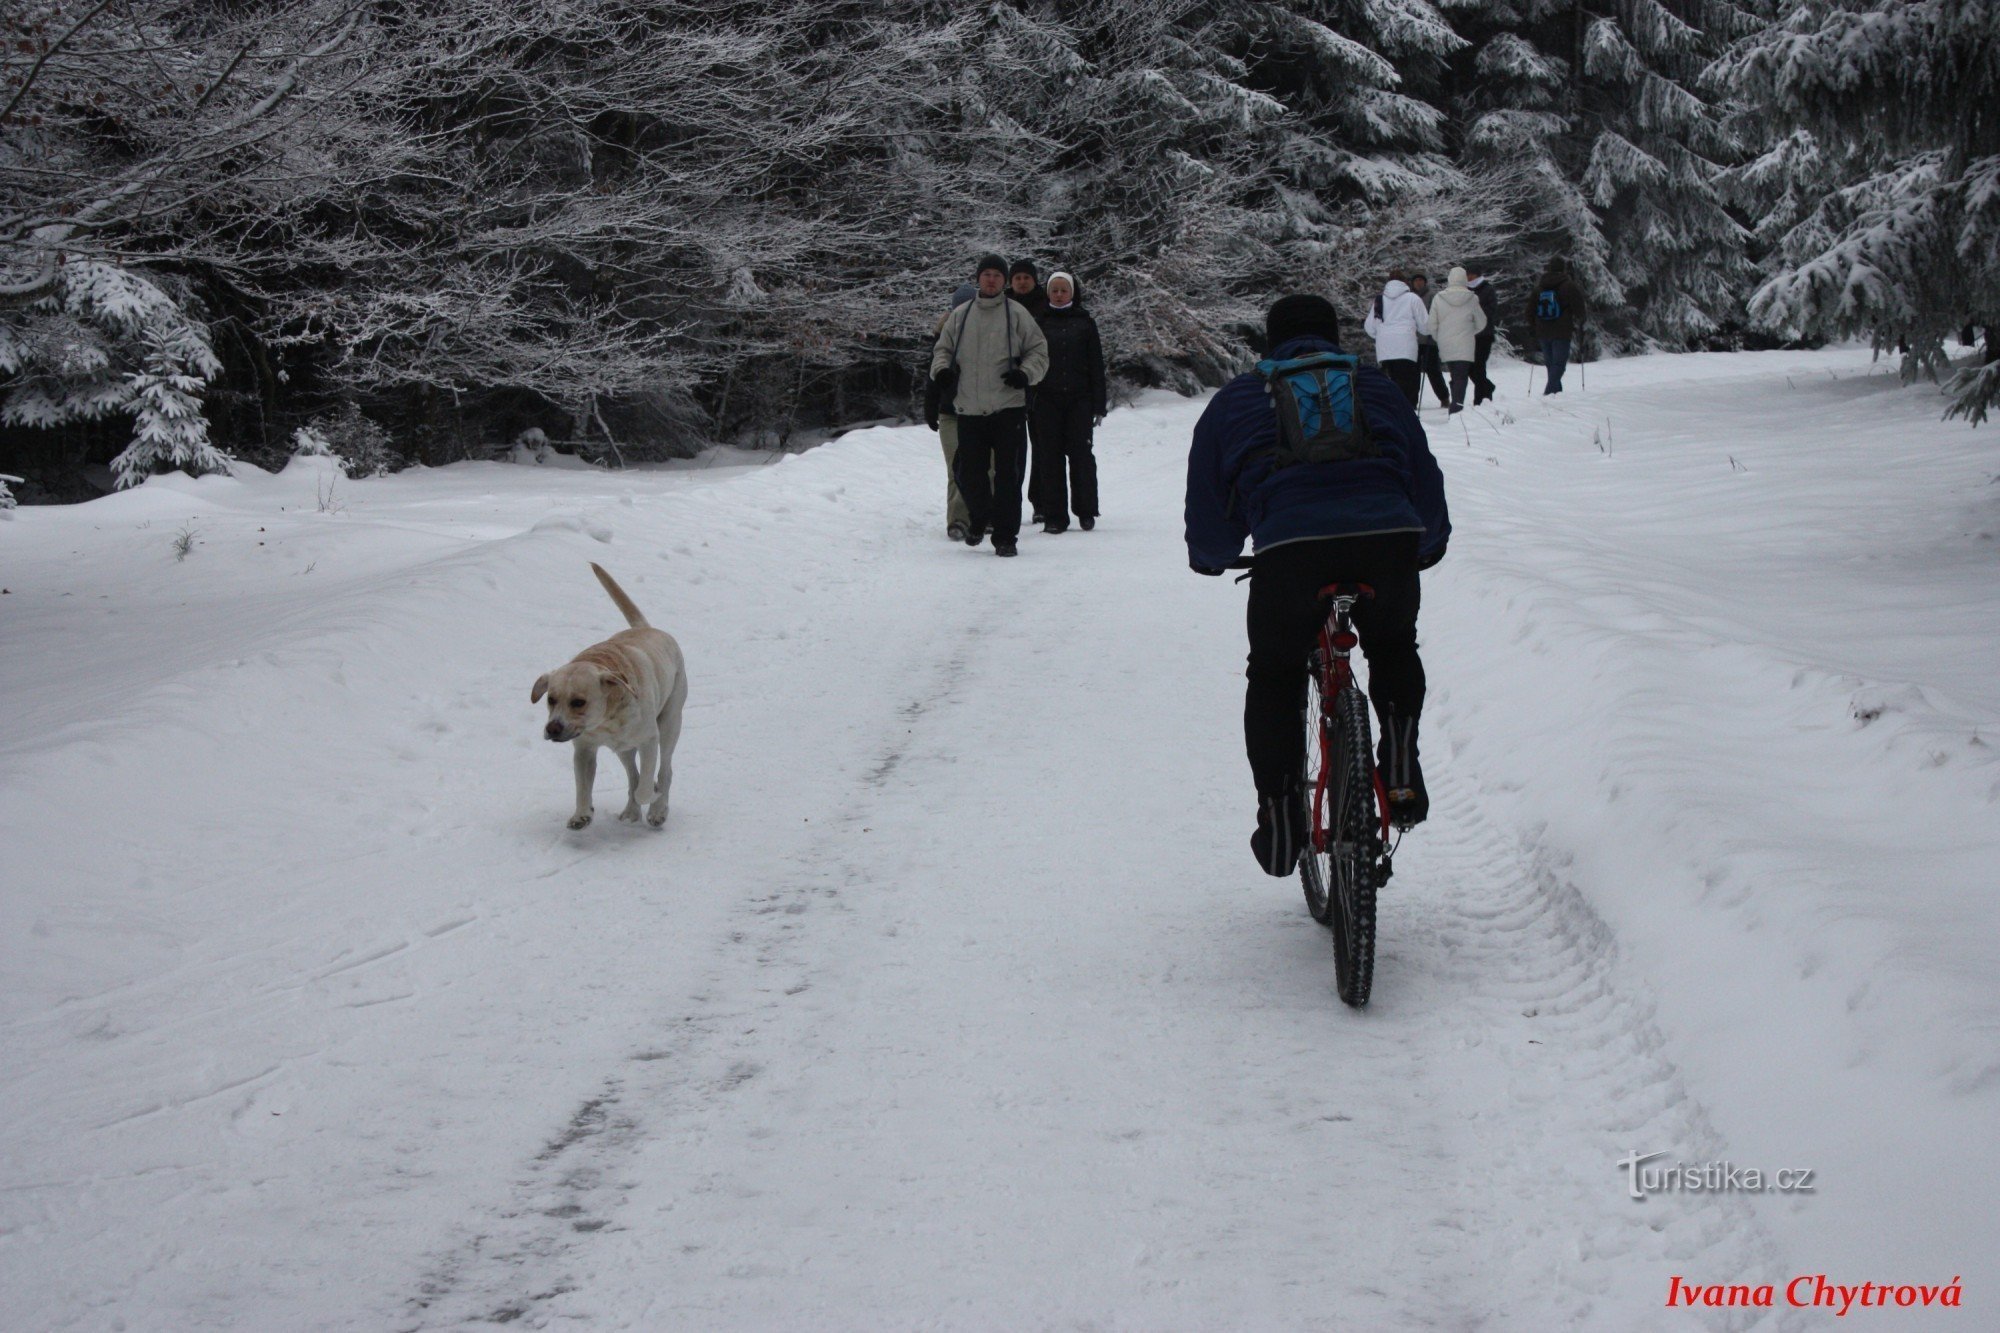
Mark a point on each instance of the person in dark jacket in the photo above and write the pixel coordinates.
(1489, 301)
(1557, 309)
(1024, 288)
(1024, 285)
(1068, 404)
(1374, 520)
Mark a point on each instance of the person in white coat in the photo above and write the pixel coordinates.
(1395, 320)
(1457, 320)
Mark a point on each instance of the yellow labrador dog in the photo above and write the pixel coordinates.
(626, 695)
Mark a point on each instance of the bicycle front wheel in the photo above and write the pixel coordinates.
(1353, 846)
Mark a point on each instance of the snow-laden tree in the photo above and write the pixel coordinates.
(1907, 250)
(1598, 103)
(127, 131)
(98, 341)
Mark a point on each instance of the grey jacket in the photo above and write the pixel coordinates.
(986, 336)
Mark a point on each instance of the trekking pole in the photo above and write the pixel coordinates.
(1531, 379)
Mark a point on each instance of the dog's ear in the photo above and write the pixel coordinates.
(613, 681)
(541, 688)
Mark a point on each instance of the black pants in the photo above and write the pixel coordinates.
(1403, 374)
(997, 440)
(1065, 470)
(1432, 369)
(1285, 617)
(1482, 352)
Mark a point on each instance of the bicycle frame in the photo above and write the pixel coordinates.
(1337, 640)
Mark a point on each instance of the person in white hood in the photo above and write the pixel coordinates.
(1394, 320)
(1456, 322)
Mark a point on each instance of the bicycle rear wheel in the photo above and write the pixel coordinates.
(1315, 871)
(1353, 846)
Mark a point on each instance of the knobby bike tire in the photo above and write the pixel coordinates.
(1315, 872)
(1354, 847)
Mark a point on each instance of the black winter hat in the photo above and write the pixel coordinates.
(1026, 266)
(994, 262)
(1298, 317)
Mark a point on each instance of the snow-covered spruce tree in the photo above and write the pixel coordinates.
(121, 131)
(1211, 156)
(1907, 251)
(1596, 100)
(98, 341)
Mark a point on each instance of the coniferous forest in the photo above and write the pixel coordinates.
(423, 229)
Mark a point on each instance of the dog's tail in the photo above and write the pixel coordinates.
(633, 615)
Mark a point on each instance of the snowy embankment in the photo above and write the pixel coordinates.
(949, 997)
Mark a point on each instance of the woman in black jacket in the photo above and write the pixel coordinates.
(1068, 404)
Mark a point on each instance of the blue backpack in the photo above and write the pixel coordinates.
(1318, 401)
(1547, 306)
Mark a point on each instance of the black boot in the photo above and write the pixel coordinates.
(1402, 775)
(1281, 833)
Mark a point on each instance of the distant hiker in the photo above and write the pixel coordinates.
(1024, 285)
(1557, 309)
(1068, 404)
(1429, 366)
(1457, 320)
(1024, 288)
(1395, 320)
(988, 353)
(940, 418)
(1489, 301)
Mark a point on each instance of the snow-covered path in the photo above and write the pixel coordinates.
(949, 997)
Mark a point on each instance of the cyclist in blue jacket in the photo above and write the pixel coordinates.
(1375, 520)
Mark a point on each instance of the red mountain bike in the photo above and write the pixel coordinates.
(1349, 856)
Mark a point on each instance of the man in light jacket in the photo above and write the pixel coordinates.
(988, 353)
(1395, 320)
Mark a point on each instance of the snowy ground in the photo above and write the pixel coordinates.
(950, 997)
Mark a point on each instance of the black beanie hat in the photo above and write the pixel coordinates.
(1299, 316)
(994, 262)
(1026, 266)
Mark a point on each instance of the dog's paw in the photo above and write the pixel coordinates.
(579, 821)
(630, 814)
(657, 815)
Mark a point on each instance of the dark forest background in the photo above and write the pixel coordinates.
(419, 229)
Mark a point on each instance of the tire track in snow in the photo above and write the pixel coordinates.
(1255, 1151)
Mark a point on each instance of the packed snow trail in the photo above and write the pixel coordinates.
(949, 997)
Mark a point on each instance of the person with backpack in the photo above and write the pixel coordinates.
(1482, 346)
(1395, 320)
(988, 353)
(1457, 319)
(1430, 368)
(1321, 463)
(1069, 402)
(1557, 310)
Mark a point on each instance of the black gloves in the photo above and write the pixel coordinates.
(1015, 378)
(1204, 569)
(1426, 561)
(931, 420)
